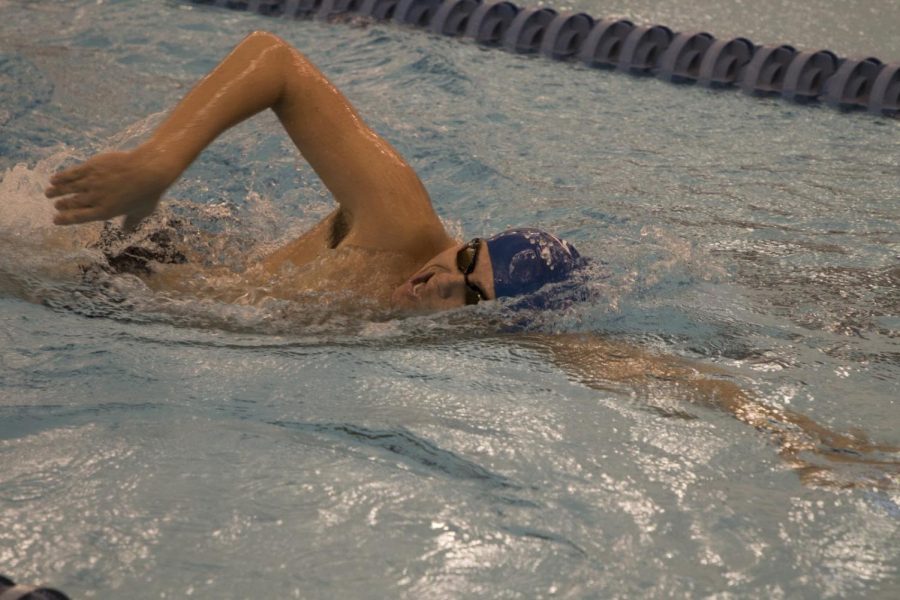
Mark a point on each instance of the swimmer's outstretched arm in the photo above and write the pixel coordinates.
(601, 363)
(379, 192)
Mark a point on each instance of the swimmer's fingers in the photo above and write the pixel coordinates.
(70, 175)
(72, 202)
(82, 215)
(63, 189)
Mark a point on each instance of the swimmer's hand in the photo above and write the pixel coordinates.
(108, 185)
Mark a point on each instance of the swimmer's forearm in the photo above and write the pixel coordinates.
(249, 80)
(598, 363)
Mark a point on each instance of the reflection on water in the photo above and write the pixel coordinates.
(177, 447)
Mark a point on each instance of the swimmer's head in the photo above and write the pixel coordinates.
(517, 262)
(525, 260)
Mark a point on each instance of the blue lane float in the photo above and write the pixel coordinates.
(604, 43)
(382, 10)
(849, 87)
(724, 62)
(331, 8)
(417, 13)
(807, 74)
(643, 48)
(682, 59)
(655, 50)
(489, 22)
(565, 34)
(526, 32)
(452, 17)
(767, 69)
(885, 96)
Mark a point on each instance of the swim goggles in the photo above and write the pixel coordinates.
(465, 262)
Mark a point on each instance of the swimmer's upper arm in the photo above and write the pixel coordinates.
(377, 189)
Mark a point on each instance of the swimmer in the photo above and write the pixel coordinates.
(404, 258)
(383, 209)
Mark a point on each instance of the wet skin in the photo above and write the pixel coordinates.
(384, 205)
(440, 285)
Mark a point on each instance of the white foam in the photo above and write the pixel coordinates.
(23, 207)
(30, 244)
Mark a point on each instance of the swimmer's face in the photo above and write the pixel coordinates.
(442, 282)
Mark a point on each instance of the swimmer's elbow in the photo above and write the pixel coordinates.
(267, 46)
(264, 38)
(275, 53)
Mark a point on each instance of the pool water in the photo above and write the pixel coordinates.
(158, 446)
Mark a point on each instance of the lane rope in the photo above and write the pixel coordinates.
(694, 57)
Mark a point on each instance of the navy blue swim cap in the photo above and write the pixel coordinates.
(526, 259)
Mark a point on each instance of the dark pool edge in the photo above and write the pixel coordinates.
(9, 590)
(694, 57)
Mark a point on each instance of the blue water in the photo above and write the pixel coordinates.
(154, 446)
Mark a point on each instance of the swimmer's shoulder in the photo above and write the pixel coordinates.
(412, 238)
(328, 234)
(418, 236)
